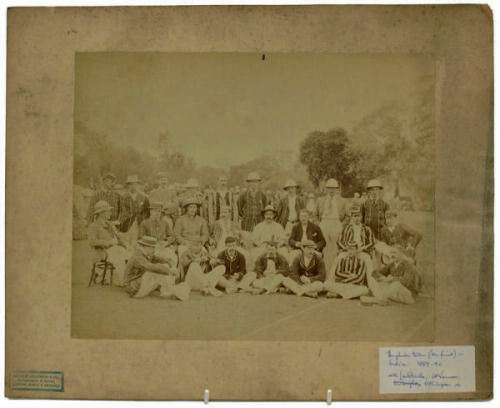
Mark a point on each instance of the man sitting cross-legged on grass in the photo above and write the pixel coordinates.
(234, 263)
(308, 271)
(271, 272)
(194, 265)
(146, 272)
(399, 281)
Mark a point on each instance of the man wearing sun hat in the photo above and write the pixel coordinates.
(373, 210)
(106, 193)
(265, 231)
(290, 206)
(107, 242)
(147, 272)
(190, 228)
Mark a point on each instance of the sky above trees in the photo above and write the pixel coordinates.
(229, 109)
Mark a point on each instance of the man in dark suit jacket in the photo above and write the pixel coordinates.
(290, 206)
(312, 232)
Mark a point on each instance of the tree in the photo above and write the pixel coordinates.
(329, 155)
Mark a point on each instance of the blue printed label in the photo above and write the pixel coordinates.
(52, 381)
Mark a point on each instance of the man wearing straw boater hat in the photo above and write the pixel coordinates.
(107, 242)
(158, 227)
(190, 228)
(290, 206)
(135, 209)
(147, 272)
(108, 194)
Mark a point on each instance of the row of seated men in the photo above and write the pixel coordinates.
(273, 261)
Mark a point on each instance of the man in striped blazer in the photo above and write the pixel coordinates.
(347, 278)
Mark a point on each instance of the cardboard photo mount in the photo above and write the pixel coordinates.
(42, 43)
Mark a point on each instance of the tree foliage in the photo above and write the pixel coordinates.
(329, 155)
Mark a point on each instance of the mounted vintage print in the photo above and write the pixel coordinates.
(269, 203)
(245, 196)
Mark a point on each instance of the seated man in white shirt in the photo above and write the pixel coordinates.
(266, 231)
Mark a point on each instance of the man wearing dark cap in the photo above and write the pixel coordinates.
(396, 234)
(308, 270)
(106, 193)
(232, 259)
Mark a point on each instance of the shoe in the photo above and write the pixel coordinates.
(231, 290)
(313, 295)
(333, 295)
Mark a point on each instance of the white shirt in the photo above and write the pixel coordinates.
(331, 207)
(304, 232)
(268, 231)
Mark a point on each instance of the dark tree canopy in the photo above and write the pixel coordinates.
(328, 155)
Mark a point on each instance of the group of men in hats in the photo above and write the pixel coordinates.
(287, 246)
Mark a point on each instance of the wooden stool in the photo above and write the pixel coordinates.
(105, 266)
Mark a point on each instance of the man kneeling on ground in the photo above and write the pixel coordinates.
(146, 272)
(399, 281)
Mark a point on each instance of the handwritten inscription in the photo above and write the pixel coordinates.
(427, 369)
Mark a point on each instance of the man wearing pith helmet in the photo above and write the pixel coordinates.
(332, 213)
(373, 210)
(106, 242)
(251, 204)
(290, 206)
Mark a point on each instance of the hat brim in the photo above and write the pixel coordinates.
(287, 187)
(263, 212)
(146, 244)
(103, 210)
(188, 204)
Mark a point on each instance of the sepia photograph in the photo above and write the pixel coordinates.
(249, 203)
(245, 196)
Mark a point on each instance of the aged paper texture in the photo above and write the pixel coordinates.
(199, 95)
